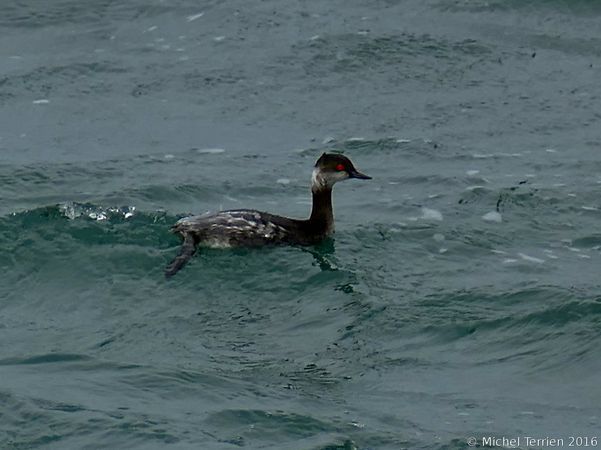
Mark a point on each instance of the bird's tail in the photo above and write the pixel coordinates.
(185, 253)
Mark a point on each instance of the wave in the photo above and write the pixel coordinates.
(575, 7)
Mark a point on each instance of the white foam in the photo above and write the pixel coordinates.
(42, 101)
(152, 28)
(355, 139)
(590, 208)
(550, 150)
(403, 141)
(328, 140)
(210, 150)
(283, 181)
(68, 210)
(509, 261)
(314, 38)
(471, 173)
(530, 258)
(493, 216)
(97, 216)
(218, 38)
(431, 214)
(438, 237)
(169, 156)
(194, 17)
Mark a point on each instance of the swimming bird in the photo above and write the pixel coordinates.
(251, 228)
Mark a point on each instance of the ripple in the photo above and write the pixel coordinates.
(44, 359)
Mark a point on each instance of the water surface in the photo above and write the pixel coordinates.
(459, 298)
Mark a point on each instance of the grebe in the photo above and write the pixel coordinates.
(250, 228)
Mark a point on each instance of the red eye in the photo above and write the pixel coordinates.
(340, 167)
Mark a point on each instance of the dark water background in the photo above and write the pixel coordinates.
(461, 296)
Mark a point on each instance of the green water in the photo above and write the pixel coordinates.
(460, 296)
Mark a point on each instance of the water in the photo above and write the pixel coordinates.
(460, 297)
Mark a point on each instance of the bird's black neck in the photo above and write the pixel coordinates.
(322, 216)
